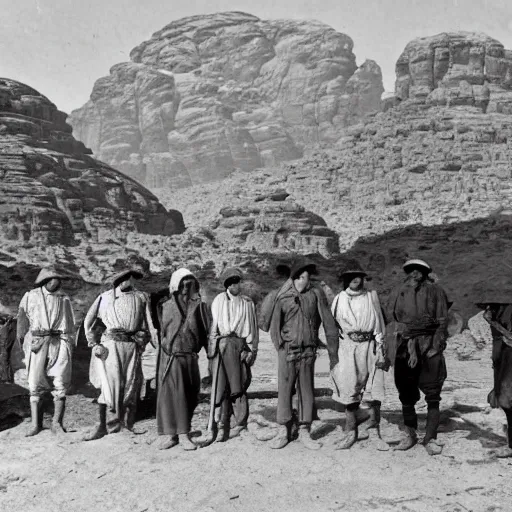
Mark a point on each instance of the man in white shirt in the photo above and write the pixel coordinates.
(233, 346)
(46, 327)
(358, 314)
(116, 366)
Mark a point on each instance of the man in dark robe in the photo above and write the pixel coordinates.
(420, 309)
(498, 313)
(184, 323)
(298, 311)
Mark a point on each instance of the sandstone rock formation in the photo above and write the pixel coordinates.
(53, 192)
(461, 68)
(210, 94)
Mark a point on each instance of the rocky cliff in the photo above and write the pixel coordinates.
(53, 192)
(210, 94)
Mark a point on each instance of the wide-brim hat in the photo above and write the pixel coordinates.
(47, 274)
(353, 269)
(421, 265)
(124, 274)
(303, 266)
(490, 300)
(230, 273)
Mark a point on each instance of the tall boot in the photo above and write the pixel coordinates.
(131, 413)
(58, 415)
(410, 437)
(430, 440)
(350, 433)
(101, 429)
(372, 428)
(305, 438)
(281, 439)
(36, 417)
(506, 451)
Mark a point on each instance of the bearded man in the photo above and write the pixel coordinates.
(233, 347)
(498, 313)
(421, 309)
(116, 366)
(46, 327)
(358, 314)
(183, 331)
(297, 313)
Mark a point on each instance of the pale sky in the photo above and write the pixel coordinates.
(60, 47)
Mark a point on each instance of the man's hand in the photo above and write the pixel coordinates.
(100, 352)
(250, 357)
(413, 356)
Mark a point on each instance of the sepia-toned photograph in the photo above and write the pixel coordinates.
(256, 257)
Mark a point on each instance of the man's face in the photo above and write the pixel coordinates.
(187, 286)
(302, 281)
(127, 284)
(356, 283)
(415, 276)
(53, 285)
(235, 287)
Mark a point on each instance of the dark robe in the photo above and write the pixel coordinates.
(183, 331)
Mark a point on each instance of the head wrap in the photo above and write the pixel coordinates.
(177, 277)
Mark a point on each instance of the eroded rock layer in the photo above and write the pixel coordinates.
(210, 94)
(53, 192)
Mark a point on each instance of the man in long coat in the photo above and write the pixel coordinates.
(233, 346)
(498, 313)
(46, 326)
(116, 367)
(358, 314)
(297, 313)
(183, 331)
(420, 308)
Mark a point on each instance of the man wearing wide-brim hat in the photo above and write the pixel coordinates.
(46, 327)
(498, 313)
(118, 326)
(233, 348)
(420, 309)
(299, 308)
(359, 317)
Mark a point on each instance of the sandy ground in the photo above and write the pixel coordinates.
(125, 472)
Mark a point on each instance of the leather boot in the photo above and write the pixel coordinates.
(409, 439)
(58, 415)
(369, 422)
(430, 442)
(281, 439)
(222, 433)
(101, 430)
(371, 428)
(350, 432)
(131, 413)
(186, 443)
(305, 438)
(36, 417)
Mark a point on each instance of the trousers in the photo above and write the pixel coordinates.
(297, 372)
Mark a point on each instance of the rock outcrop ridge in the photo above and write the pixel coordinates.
(53, 192)
(210, 94)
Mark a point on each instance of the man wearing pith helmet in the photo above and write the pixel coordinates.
(420, 308)
(46, 324)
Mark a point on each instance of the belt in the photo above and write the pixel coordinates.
(360, 337)
(41, 333)
(184, 354)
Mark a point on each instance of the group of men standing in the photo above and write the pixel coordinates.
(121, 323)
